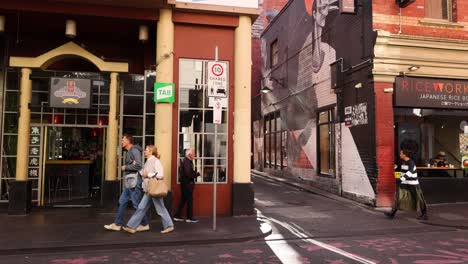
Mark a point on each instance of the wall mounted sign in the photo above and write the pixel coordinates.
(431, 93)
(348, 6)
(34, 152)
(70, 93)
(356, 115)
(164, 93)
(237, 3)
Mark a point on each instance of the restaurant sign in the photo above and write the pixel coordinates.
(430, 93)
(70, 93)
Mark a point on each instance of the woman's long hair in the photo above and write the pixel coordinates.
(154, 150)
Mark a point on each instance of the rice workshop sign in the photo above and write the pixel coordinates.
(430, 93)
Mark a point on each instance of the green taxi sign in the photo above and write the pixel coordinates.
(164, 93)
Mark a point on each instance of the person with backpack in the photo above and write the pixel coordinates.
(187, 176)
(133, 190)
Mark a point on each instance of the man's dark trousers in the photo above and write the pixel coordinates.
(187, 198)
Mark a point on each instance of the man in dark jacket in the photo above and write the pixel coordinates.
(187, 176)
(132, 165)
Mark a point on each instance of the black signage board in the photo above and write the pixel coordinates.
(70, 93)
(430, 93)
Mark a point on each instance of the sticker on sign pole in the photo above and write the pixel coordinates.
(217, 79)
(217, 113)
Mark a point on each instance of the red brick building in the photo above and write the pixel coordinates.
(352, 85)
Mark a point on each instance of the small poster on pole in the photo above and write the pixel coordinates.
(217, 113)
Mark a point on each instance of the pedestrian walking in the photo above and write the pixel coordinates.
(187, 176)
(133, 190)
(409, 196)
(152, 168)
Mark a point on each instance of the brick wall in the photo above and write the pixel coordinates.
(385, 145)
(386, 17)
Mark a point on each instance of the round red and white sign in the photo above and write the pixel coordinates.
(217, 69)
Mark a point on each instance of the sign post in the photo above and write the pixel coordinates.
(217, 88)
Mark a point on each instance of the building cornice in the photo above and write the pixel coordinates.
(436, 57)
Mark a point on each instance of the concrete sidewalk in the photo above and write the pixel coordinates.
(78, 229)
(454, 215)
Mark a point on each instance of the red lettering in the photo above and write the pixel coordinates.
(427, 87)
(404, 85)
(419, 86)
(465, 89)
(449, 88)
(458, 88)
(438, 86)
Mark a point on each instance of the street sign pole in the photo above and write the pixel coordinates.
(215, 167)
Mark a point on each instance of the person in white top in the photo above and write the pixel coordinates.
(152, 168)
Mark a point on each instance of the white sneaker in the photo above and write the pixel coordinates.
(113, 227)
(178, 219)
(142, 228)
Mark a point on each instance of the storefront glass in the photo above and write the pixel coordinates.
(435, 136)
(196, 128)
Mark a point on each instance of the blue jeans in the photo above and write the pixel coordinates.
(143, 209)
(127, 195)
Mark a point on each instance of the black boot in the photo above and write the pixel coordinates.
(422, 217)
(390, 214)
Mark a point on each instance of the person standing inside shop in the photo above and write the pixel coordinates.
(134, 194)
(187, 176)
(409, 196)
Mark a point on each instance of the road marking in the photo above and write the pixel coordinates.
(288, 255)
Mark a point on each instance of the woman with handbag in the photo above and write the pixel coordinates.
(152, 171)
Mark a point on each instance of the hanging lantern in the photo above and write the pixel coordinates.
(143, 33)
(70, 28)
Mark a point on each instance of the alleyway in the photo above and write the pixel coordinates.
(307, 228)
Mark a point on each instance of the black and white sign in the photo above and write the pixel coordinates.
(217, 79)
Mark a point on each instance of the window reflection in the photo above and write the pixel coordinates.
(196, 128)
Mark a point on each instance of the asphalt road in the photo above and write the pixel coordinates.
(307, 228)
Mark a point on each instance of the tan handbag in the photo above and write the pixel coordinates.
(157, 188)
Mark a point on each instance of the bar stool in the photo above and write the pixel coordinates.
(63, 182)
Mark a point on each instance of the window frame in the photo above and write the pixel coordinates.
(274, 53)
(331, 110)
(201, 161)
(271, 131)
(448, 7)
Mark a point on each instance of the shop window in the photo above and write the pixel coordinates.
(275, 138)
(326, 143)
(274, 50)
(439, 9)
(196, 128)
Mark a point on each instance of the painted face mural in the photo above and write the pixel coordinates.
(310, 36)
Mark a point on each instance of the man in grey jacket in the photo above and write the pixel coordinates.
(132, 165)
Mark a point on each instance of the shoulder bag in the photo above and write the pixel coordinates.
(157, 188)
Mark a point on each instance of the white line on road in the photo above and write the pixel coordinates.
(288, 255)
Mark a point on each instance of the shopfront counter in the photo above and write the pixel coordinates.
(67, 179)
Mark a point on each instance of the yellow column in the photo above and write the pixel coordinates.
(112, 131)
(164, 73)
(242, 73)
(23, 126)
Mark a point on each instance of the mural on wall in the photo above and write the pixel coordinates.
(311, 35)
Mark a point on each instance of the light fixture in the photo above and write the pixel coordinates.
(70, 28)
(413, 68)
(143, 33)
(265, 90)
(358, 85)
(388, 90)
(2, 24)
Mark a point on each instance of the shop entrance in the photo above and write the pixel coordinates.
(73, 166)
